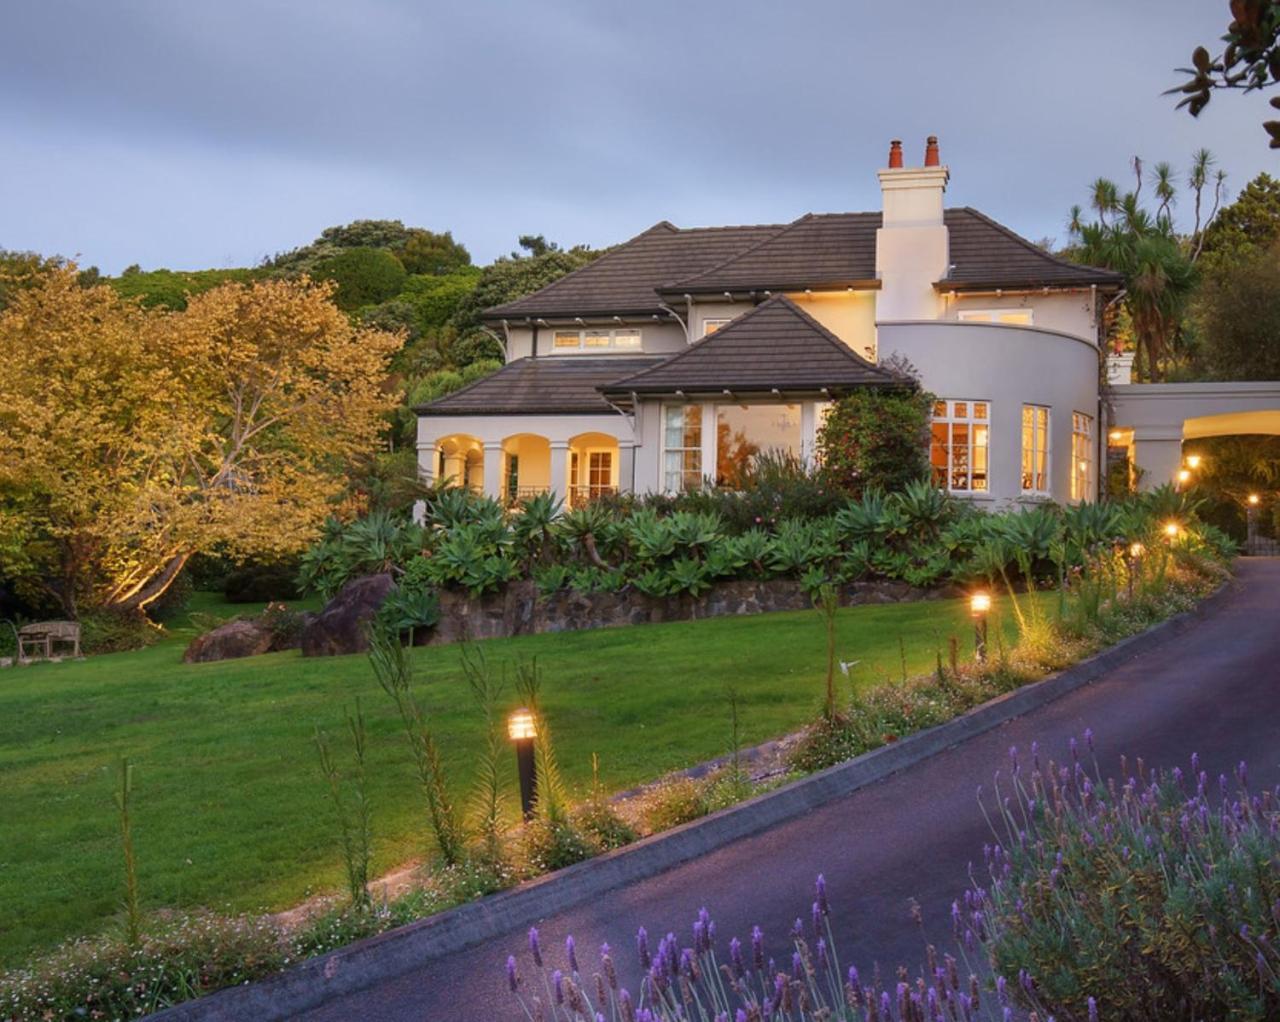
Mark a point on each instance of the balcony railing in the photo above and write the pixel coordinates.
(511, 498)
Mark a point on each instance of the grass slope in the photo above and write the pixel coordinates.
(230, 811)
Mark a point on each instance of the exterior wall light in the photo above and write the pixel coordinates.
(1254, 500)
(979, 607)
(1193, 460)
(522, 729)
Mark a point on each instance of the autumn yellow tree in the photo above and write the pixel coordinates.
(132, 439)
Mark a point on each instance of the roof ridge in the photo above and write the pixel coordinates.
(804, 218)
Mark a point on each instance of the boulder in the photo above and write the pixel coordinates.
(340, 627)
(239, 637)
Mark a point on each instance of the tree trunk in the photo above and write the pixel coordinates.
(155, 588)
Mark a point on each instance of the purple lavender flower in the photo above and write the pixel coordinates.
(820, 887)
(821, 951)
(534, 948)
(686, 962)
(817, 917)
(570, 949)
(642, 946)
(1088, 738)
(735, 958)
(1242, 774)
(513, 974)
(1002, 990)
(699, 935)
(1093, 1009)
(740, 1016)
(797, 965)
(557, 984)
(797, 928)
(1075, 750)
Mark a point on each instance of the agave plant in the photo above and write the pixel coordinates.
(926, 509)
(533, 527)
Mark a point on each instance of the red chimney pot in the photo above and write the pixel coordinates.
(895, 153)
(931, 151)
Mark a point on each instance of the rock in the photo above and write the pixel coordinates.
(239, 637)
(340, 628)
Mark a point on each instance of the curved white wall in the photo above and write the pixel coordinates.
(1008, 366)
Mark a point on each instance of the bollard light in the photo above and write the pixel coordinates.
(1193, 461)
(1254, 499)
(522, 729)
(1184, 476)
(1136, 550)
(979, 607)
(1171, 529)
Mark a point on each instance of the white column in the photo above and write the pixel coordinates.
(808, 433)
(560, 469)
(626, 466)
(1158, 454)
(493, 469)
(426, 462)
(709, 441)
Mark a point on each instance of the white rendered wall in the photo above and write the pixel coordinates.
(1071, 312)
(658, 337)
(1007, 366)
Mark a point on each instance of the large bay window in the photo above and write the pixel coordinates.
(959, 445)
(1035, 450)
(1081, 454)
(595, 339)
(681, 448)
(745, 431)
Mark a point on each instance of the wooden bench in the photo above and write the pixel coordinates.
(40, 640)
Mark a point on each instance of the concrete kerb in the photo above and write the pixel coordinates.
(388, 955)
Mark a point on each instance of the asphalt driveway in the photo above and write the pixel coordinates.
(1214, 689)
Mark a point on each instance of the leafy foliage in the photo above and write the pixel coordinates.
(364, 276)
(876, 439)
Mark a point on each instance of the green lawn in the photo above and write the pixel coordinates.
(229, 809)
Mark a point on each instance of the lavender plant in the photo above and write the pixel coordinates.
(706, 981)
(1153, 896)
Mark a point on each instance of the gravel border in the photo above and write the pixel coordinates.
(368, 962)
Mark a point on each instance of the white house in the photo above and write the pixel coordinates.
(657, 366)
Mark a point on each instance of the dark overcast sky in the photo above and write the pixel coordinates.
(185, 134)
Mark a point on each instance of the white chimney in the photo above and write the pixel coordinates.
(912, 251)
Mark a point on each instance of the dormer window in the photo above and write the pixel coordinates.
(593, 339)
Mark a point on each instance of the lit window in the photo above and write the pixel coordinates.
(599, 473)
(596, 339)
(744, 432)
(958, 445)
(1009, 317)
(1081, 455)
(1035, 449)
(710, 326)
(681, 448)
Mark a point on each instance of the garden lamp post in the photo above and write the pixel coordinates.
(1251, 520)
(979, 607)
(1136, 550)
(522, 730)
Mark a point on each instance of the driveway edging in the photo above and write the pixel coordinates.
(349, 969)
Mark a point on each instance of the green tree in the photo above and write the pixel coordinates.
(1250, 61)
(430, 253)
(511, 277)
(365, 276)
(171, 289)
(1245, 227)
(1238, 314)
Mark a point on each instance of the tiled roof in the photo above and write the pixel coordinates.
(548, 385)
(775, 346)
(625, 280)
(985, 254)
(818, 250)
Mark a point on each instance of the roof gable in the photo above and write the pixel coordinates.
(776, 346)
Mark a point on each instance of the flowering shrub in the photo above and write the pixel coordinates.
(1153, 896)
(106, 978)
(706, 981)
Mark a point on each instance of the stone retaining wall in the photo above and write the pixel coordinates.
(520, 610)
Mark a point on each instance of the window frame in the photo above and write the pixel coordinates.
(974, 316)
(720, 323)
(1046, 448)
(1082, 442)
(685, 407)
(969, 419)
(583, 348)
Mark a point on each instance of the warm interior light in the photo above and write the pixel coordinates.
(520, 726)
(1193, 460)
(1115, 434)
(1171, 530)
(1135, 549)
(1184, 475)
(979, 603)
(1253, 499)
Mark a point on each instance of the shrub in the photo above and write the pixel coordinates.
(876, 439)
(553, 844)
(106, 978)
(602, 825)
(285, 625)
(1155, 896)
(261, 582)
(673, 802)
(109, 631)
(364, 276)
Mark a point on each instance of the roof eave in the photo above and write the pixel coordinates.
(747, 290)
(1029, 287)
(497, 314)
